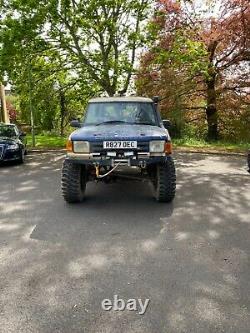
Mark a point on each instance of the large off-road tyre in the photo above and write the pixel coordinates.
(73, 182)
(165, 181)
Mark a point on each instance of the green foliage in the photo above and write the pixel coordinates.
(58, 54)
(185, 52)
(95, 39)
(220, 145)
(48, 140)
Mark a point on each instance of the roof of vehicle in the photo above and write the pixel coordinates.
(121, 99)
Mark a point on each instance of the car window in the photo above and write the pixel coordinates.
(8, 131)
(128, 112)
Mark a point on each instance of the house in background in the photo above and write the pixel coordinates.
(7, 91)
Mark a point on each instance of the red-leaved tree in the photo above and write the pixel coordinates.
(208, 45)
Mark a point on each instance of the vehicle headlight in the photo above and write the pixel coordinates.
(157, 146)
(13, 146)
(81, 147)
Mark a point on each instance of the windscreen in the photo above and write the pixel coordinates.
(121, 112)
(7, 131)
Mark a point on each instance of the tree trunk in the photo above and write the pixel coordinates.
(211, 109)
(110, 90)
(4, 112)
(62, 111)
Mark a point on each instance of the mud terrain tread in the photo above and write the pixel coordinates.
(73, 182)
(166, 181)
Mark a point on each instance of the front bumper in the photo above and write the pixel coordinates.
(9, 155)
(141, 160)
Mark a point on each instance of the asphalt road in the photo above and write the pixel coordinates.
(190, 258)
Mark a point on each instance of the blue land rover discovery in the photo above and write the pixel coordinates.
(119, 138)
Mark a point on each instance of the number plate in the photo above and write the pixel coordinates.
(120, 144)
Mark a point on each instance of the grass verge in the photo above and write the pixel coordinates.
(219, 145)
(57, 142)
(47, 141)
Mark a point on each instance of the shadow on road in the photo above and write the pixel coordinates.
(190, 258)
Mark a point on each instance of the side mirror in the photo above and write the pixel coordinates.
(75, 123)
(166, 123)
(22, 135)
(156, 99)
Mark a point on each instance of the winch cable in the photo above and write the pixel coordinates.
(106, 174)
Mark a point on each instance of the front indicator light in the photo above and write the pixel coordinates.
(168, 148)
(69, 146)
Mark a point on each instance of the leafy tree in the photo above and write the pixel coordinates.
(210, 44)
(56, 96)
(97, 39)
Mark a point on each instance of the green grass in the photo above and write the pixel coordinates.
(219, 145)
(47, 141)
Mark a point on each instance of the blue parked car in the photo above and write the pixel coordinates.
(119, 138)
(12, 143)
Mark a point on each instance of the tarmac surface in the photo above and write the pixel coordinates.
(58, 262)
